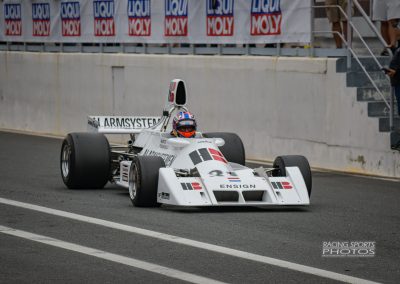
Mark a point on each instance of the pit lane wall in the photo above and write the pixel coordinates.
(278, 106)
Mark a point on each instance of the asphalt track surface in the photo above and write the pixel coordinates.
(344, 208)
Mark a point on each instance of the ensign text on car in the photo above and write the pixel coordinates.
(139, 17)
(41, 19)
(220, 18)
(104, 24)
(266, 17)
(13, 19)
(70, 18)
(176, 18)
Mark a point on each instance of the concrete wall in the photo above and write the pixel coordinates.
(277, 105)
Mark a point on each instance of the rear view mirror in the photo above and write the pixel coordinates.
(219, 142)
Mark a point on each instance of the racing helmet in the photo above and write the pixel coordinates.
(184, 125)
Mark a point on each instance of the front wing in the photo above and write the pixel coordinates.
(242, 191)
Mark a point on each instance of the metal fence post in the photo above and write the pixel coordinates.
(349, 32)
(312, 19)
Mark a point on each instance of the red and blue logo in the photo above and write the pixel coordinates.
(266, 17)
(139, 17)
(220, 18)
(70, 18)
(104, 24)
(176, 18)
(13, 19)
(41, 19)
(234, 179)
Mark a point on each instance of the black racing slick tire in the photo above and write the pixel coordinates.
(233, 150)
(85, 160)
(301, 162)
(143, 180)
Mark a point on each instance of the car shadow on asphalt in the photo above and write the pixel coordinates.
(231, 209)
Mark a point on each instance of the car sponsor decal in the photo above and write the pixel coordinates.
(120, 122)
(281, 185)
(163, 144)
(206, 154)
(164, 195)
(171, 96)
(234, 179)
(168, 158)
(191, 186)
(237, 186)
(216, 173)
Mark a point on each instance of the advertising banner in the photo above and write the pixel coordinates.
(156, 21)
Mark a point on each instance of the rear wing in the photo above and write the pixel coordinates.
(121, 124)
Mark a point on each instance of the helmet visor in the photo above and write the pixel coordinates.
(186, 128)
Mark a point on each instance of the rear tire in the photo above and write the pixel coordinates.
(85, 160)
(301, 162)
(143, 180)
(233, 150)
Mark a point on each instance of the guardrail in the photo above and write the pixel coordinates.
(192, 49)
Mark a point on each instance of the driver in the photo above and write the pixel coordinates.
(184, 125)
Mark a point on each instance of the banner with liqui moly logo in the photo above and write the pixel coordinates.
(220, 18)
(176, 18)
(70, 15)
(156, 21)
(266, 18)
(139, 18)
(104, 21)
(13, 19)
(41, 19)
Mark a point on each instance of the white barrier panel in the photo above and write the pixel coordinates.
(277, 105)
(156, 21)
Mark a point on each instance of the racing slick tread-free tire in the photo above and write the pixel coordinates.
(281, 162)
(144, 174)
(85, 160)
(233, 150)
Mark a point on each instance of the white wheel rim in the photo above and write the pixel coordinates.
(65, 160)
(132, 182)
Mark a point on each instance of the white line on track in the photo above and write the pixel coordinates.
(109, 256)
(191, 243)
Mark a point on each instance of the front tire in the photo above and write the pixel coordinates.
(143, 180)
(85, 160)
(301, 162)
(233, 150)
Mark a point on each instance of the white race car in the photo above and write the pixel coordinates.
(159, 168)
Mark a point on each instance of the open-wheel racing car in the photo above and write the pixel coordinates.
(160, 168)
